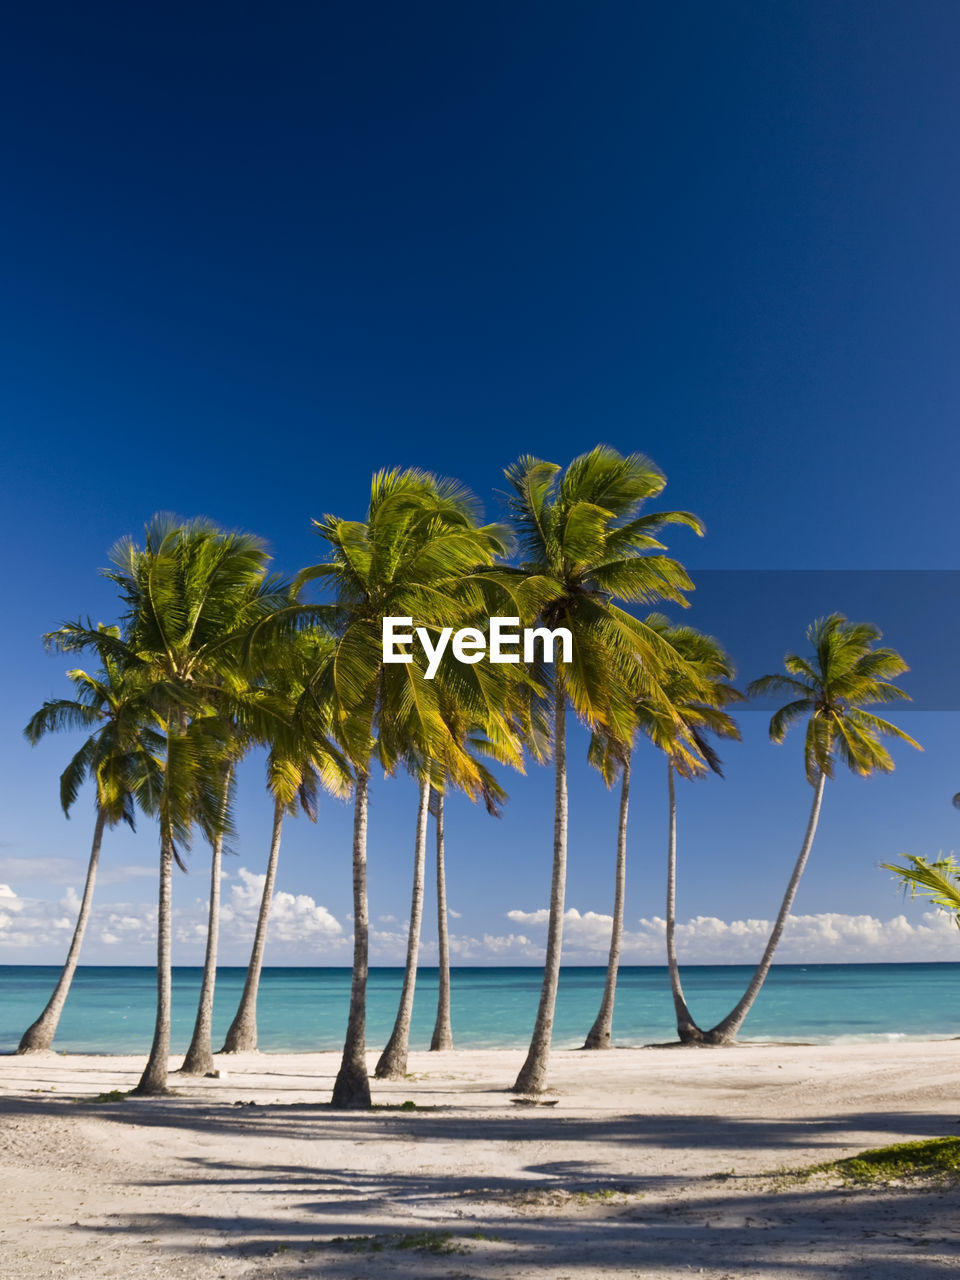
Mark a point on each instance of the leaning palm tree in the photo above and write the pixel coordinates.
(696, 697)
(412, 557)
(121, 757)
(193, 592)
(612, 759)
(700, 712)
(845, 673)
(582, 534)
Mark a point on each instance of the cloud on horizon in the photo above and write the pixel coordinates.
(824, 938)
(34, 930)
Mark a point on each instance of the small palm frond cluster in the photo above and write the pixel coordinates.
(938, 881)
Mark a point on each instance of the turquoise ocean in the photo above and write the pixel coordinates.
(110, 1009)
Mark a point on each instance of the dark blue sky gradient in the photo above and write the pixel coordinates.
(249, 255)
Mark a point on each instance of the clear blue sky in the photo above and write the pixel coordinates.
(249, 255)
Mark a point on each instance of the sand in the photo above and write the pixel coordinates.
(652, 1163)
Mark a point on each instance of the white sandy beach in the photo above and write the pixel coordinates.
(653, 1163)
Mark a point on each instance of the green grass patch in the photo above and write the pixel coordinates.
(420, 1241)
(935, 1159)
(409, 1105)
(115, 1095)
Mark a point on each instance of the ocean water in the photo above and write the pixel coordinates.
(110, 1009)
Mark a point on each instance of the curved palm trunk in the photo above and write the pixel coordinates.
(153, 1082)
(687, 1029)
(393, 1060)
(352, 1087)
(725, 1032)
(242, 1035)
(599, 1034)
(533, 1073)
(199, 1057)
(39, 1035)
(442, 1031)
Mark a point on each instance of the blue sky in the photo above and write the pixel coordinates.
(249, 257)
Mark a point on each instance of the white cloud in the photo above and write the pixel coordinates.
(298, 924)
(811, 939)
(294, 918)
(457, 915)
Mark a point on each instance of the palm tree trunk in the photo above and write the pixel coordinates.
(153, 1082)
(533, 1073)
(242, 1035)
(351, 1088)
(725, 1032)
(599, 1034)
(39, 1035)
(442, 1031)
(199, 1057)
(393, 1060)
(687, 1029)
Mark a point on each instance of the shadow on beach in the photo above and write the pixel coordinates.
(606, 1208)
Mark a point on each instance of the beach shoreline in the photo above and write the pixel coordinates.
(651, 1164)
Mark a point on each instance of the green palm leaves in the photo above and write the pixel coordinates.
(417, 556)
(845, 674)
(939, 881)
(122, 754)
(696, 696)
(586, 546)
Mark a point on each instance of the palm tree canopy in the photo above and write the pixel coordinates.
(699, 703)
(585, 543)
(417, 555)
(303, 759)
(123, 753)
(845, 673)
(697, 695)
(193, 593)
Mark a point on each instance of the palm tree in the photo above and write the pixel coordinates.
(487, 693)
(412, 557)
(700, 712)
(583, 538)
(695, 706)
(300, 764)
(121, 757)
(193, 593)
(612, 759)
(830, 689)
